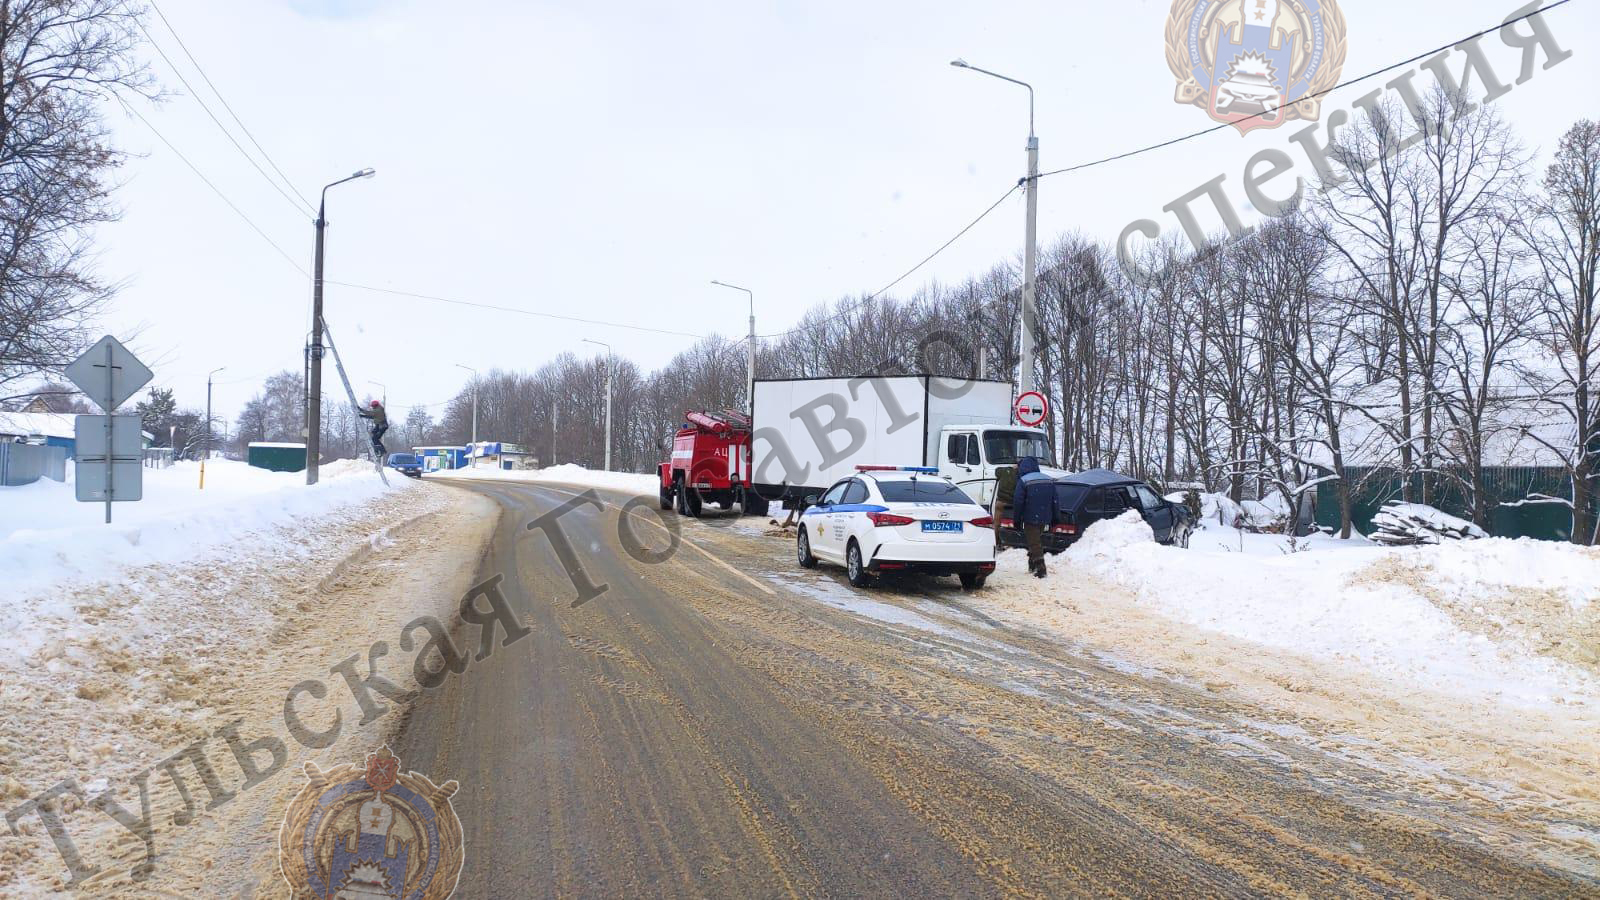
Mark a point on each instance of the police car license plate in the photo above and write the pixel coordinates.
(941, 526)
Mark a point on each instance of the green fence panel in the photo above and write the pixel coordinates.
(1502, 485)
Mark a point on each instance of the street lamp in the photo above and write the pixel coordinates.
(474, 412)
(1030, 246)
(385, 393)
(750, 355)
(208, 426)
(608, 398)
(314, 403)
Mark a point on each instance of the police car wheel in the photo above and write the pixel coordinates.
(853, 567)
(802, 545)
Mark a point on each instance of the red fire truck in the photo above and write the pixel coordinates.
(710, 463)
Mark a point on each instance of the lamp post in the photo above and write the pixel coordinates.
(314, 389)
(750, 354)
(1030, 248)
(608, 398)
(208, 426)
(474, 412)
(385, 393)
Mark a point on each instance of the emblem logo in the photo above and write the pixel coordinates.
(355, 833)
(1255, 63)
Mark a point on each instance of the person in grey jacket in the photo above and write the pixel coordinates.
(1033, 506)
(380, 424)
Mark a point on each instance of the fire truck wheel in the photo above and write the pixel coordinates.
(692, 501)
(680, 497)
(666, 498)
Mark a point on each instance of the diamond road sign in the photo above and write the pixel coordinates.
(108, 374)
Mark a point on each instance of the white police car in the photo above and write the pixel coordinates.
(897, 519)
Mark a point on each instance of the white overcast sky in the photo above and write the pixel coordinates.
(606, 160)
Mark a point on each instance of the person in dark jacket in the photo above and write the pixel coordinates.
(1034, 505)
(380, 424)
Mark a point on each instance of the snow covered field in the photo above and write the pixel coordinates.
(48, 539)
(566, 473)
(1503, 621)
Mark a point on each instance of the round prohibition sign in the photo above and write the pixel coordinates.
(1031, 409)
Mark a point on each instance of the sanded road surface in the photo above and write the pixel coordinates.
(723, 723)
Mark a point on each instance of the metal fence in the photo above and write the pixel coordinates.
(1522, 501)
(26, 463)
(158, 457)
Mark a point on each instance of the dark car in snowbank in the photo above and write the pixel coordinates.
(1084, 498)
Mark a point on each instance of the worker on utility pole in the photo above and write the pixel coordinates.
(380, 424)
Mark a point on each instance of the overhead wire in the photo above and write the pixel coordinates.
(216, 190)
(1311, 96)
(512, 309)
(909, 272)
(225, 105)
(300, 205)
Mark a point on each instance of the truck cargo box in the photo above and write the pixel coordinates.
(810, 432)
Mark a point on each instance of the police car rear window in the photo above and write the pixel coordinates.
(920, 490)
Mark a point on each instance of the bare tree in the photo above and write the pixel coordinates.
(1565, 239)
(60, 62)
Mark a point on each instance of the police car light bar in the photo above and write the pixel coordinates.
(920, 470)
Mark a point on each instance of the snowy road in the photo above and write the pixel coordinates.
(751, 729)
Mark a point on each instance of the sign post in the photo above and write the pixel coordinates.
(1031, 409)
(108, 447)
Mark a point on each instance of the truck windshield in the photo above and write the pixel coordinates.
(922, 490)
(1003, 448)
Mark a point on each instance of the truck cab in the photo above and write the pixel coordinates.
(969, 454)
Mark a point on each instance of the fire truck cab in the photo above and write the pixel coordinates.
(710, 463)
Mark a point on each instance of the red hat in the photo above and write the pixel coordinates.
(374, 404)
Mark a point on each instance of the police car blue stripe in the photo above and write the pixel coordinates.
(845, 507)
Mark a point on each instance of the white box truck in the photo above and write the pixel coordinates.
(810, 432)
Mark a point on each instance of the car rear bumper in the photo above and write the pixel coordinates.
(1054, 541)
(929, 567)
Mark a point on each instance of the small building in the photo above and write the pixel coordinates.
(441, 458)
(277, 457)
(50, 429)
(500, 455)
(46, 428)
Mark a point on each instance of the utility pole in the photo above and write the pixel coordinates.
(314, 388)
(473, 453)
(608, 399)
(208, 428)
(1027, 321)
(750, 352)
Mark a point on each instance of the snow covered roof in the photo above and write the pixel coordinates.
(24, 424)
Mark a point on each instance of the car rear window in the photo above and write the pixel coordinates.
(1068, 496)
(922, 490)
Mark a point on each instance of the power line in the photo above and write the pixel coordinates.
(512, 309)
(218, 191)
(909, 272)
(194, 95)
(1317, 95)
(201, 69)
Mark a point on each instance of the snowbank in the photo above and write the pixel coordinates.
(1492, 619)
(566, 473)
(47, 537)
